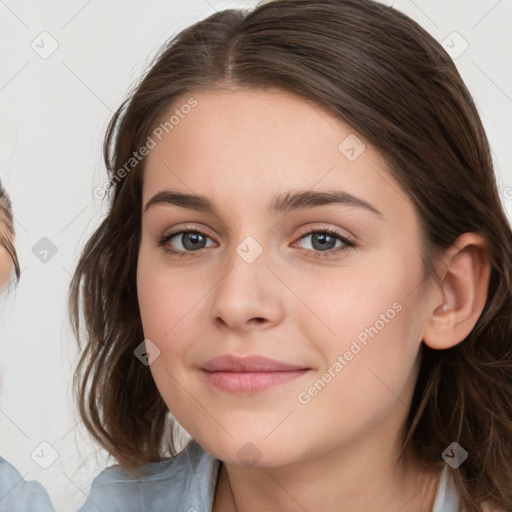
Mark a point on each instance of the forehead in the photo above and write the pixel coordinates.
(242, 141)
(231, 120)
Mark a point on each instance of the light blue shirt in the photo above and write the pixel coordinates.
(17, 495)
(187, 484)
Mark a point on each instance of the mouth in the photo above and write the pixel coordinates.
(250, 374)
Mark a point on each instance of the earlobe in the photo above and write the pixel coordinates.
(464, 285)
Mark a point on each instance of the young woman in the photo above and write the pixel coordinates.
(306, 265)
(16, 495)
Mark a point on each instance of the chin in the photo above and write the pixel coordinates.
(250, 450)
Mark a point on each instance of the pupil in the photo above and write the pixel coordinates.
(193, 239)
(321, 239)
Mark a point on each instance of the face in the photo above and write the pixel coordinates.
(329, 287)
(6, 267)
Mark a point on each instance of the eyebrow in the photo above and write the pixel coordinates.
(282, 203)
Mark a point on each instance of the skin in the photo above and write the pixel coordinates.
(6, 268)
(240, 147)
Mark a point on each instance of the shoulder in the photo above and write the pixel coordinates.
(167, 481)
(186, 462)
(18, 495)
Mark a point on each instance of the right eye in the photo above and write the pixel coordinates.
(190, 241)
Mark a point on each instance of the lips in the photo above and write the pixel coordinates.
(249, 374)
(230, 363)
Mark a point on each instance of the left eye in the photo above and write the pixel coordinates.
(323, 240)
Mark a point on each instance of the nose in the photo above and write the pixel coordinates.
(248, 296)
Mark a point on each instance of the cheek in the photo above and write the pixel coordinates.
(166, 301)
(364, 302)
(369, 336)
(170, 303)
(374, 359)
(370, 371)
(166, 297)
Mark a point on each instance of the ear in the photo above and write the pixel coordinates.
(457, 305)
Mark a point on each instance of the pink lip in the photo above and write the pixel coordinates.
(231, 363)
(250, 374)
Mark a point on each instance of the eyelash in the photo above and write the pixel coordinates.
(348, 244)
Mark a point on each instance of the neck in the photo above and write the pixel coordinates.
(323, 483)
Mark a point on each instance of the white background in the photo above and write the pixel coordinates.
(53, 118)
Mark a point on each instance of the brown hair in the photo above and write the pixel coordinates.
(7, 229)
(384, 75)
